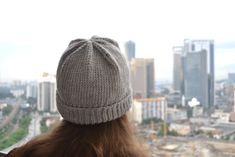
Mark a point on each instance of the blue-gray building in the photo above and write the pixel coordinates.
(197, 79)
(195, 76)
(130, 50)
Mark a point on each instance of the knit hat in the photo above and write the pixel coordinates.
(93, 83)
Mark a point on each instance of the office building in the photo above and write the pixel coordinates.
(178, 70)
(194, 71)
(130, 50)
(47, 93)
(142, 77)
(195, 77)
(205, 48)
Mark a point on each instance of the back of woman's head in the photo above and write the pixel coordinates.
(110, 139)
(93, 96)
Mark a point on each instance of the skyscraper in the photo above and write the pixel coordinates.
(47, 94)
(197, 66)
(178, 70)
(142, 77)
(195, 77)
(130, 50)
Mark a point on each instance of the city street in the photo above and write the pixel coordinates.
(34, 130)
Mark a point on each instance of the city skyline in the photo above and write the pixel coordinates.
(32, 41)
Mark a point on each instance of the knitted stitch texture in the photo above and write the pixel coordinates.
(93, 83)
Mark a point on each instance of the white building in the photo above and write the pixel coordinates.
(148, 108)
(31, 91)
(181, 129)
(136, 112)
(47, 93)
(174, 114)
(222, 117)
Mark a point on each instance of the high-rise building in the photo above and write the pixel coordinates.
(31, 91)
(196, 62)
(142, 77)
(195, 77)
(130, 50)
(208, 47)
(47, 94)
(178, 70)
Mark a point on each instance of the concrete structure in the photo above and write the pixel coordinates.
(47, 94)
(149, 108)
(222, 117)
(142, 77)
(197, 63)
(31, 91)
(130, 50)
(174, 98)
(174, 114)
(200, 121)
(136, 112)
(178, 70)
(181, 129)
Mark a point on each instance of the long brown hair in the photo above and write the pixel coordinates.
(110, 139)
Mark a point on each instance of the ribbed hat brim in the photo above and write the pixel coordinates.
(94, 115)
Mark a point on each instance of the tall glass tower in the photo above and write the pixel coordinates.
(194, 71)
(130, 50)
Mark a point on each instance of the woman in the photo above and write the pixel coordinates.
(93, 96)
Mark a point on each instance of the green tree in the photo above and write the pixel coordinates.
(7, 110)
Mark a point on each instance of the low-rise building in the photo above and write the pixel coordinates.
(148, 108)
(174, 114)
(182, 129)
(200, 121)
(197, 111)
(222, 117)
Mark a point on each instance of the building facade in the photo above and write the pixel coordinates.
(130, 50)
(142, 77)
(148, 108)
(31, 91)
(195, 77)
(196, 61)
(178, 80)
(47, 94)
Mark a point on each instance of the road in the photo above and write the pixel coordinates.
(12, 115)
(34, 130)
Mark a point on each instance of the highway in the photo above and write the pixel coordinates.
(12, 115)
(34, 130)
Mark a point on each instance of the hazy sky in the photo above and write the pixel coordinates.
(34, 33)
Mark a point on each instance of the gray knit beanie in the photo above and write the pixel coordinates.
(93, 82)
